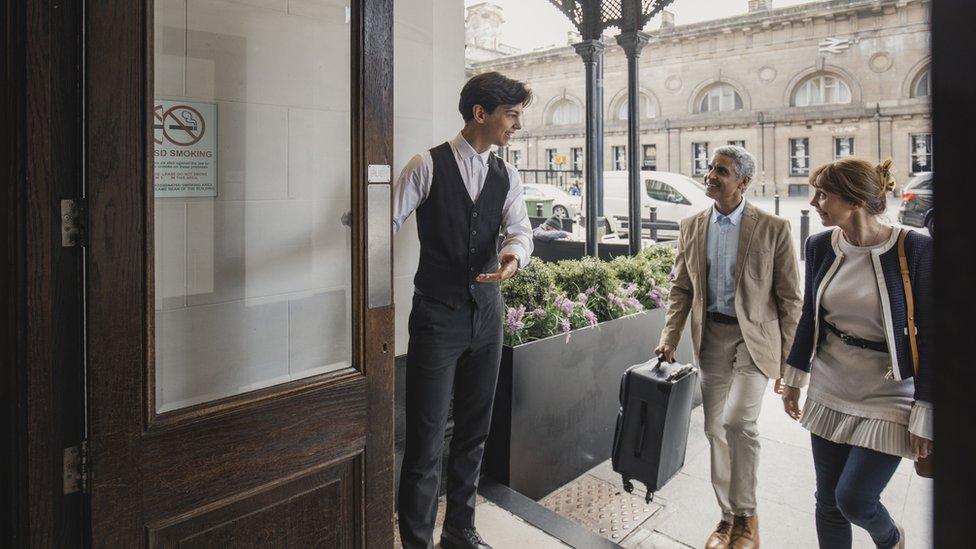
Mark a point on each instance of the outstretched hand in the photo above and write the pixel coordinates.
(507, 266)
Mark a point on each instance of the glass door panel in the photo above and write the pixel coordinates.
(252, 178)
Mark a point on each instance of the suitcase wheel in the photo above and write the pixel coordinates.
(628, 486)
(648, 497)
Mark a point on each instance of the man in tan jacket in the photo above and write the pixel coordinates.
(737, 275)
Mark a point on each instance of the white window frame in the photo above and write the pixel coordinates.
(551, 159)
(565, 112)
(822, 85)
(837, 141)
(516, 158)
(644, 157)
(912, 154)
(804, 171)
(926, 77)
(699, 162)
(619, 157)
(738, 142)
(720, 98)
(576, 158)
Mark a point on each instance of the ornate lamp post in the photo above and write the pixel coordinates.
(591, 18)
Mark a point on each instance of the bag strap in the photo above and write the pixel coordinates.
(909, 299)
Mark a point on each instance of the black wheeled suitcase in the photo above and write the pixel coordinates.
(652, 424)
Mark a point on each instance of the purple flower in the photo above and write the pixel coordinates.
(539, 312)
(513, 318)
(564, 304)
(589, 291)
(590, 317)
(582, 298)
(657, 297)
(564, 323)
(634, 303)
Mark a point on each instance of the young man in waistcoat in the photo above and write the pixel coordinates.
(465, 197)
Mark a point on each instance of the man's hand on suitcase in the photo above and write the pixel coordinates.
(665, 351)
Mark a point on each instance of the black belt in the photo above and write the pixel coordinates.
(721, 319)
(879, 346)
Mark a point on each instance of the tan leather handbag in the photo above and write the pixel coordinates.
(925, 467)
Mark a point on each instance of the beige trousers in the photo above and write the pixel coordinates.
(732, 394)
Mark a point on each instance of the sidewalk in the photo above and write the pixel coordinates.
(684, 513)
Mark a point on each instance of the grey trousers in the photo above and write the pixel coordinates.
(452, 353)
(732, 395)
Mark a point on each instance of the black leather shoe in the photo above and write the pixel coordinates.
(469, 538)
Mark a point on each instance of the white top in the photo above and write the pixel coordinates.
(851, 400)
(413, 187)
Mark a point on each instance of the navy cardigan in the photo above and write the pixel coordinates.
(820, 257)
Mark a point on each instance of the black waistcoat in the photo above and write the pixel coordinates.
(458, 238)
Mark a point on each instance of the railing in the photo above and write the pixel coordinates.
(560, 178)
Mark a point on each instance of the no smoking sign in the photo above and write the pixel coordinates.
(185, 151)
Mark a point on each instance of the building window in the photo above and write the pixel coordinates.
(551, 159)
(516, 159)
(843, 147)
(800, 156)
(649, 161)
(576, 156)
(719, 98)
(822, 90)
(619, 157)
(923, 85)
(738, 143)
(921, 152)
(699, 158)
(646, 107)
(565, 112)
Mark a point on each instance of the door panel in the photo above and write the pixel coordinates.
(240, 387)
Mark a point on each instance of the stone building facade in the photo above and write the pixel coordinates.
(798, 86)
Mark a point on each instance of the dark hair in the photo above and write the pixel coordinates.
(490, 90)
(857, 181)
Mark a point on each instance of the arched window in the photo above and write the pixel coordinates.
(647, 109)
(822, 89)
(564, 112)
(720, 97)
(923, 84)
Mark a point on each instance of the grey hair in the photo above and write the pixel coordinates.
(745, 163)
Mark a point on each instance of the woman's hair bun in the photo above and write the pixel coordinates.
(885, 176)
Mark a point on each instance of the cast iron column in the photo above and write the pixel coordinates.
(592, 52)
(633, 42)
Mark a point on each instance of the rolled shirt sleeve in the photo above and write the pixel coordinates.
(516, 228)
(411, 188)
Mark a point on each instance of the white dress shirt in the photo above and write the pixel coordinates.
(413, 187)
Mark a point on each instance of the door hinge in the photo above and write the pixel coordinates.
(72, 228)
(76, 468)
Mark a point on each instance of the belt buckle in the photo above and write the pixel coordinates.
(847, 338)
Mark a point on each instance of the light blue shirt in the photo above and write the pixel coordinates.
(723, 245)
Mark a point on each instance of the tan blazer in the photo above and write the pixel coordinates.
(767, 286)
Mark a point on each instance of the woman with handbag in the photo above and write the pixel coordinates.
(864, 345)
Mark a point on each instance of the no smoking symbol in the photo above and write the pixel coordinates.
(182, 125)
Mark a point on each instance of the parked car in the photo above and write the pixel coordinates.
(674, 195)
(564, 205)
(917, 201)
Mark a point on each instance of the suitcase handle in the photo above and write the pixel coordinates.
(643, 429)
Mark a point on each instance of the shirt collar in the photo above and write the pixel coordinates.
(733, 217)
(467, 152)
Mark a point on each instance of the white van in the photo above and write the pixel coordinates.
(674, 195)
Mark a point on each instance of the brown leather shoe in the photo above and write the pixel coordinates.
(720, 537)
(745, 533)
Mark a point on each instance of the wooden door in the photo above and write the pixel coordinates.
(239, 317)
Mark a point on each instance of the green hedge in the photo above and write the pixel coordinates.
(545, 299)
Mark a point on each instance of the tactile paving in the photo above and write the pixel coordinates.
(600, 506)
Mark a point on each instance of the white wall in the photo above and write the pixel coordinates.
(428, 72)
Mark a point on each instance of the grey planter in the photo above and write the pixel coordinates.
(556, 403)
